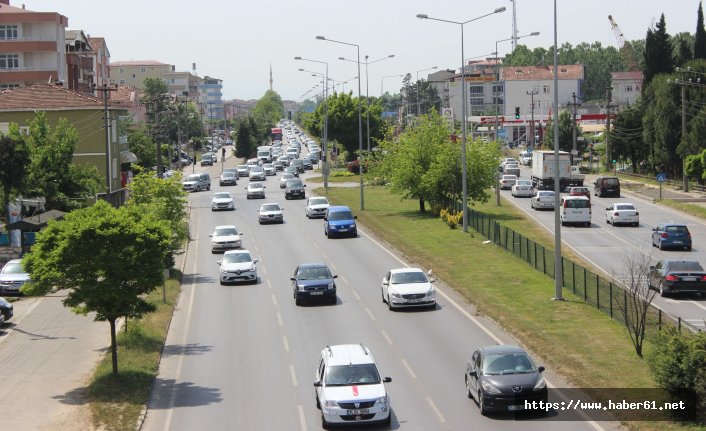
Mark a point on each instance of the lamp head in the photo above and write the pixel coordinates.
(500, 9)
(297, 58)
(534, 33)
(341, 58)
(391, 55)
(301, 70)
(435, 67)
(320, 38)
(422, 16)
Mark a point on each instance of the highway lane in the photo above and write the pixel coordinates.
(244, 356)
(607, 246)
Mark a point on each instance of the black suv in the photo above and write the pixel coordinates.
(294, 189)
(606, 186)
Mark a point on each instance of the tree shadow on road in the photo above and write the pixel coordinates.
(167, 394)
(185, 349)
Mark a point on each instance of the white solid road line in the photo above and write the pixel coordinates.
(698, 304)
(355, 294)
(269, 283)
(436, 410)
(294, 376)
(302, 418)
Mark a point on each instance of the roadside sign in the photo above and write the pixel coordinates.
(661, 178)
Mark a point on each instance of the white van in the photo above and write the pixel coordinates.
(576, 210)
(525, 158)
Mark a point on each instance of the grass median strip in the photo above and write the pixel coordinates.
(574, 339)
(116, 403)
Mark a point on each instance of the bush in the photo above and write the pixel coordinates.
(678, 364)
(450, 218)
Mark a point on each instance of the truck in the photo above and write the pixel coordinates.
(576, 177)
(543, 170)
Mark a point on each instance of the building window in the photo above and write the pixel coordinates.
(475, 89)
(498, 89)
(9, 61)
(9, 86)
(142, 70)
(122, 82)
(545, 89)
(8, 32)
(628, 88)
(477, 101)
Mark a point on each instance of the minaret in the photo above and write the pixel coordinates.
(270, 76)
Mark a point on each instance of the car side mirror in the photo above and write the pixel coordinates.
(541, 368)
(473, 373)
(607, 209)
(304, 185)
(654, 229)
(335, 276)
(385, 282)
(652, 268)
(292, 278)
(255, 260)
(595, 183)
(432, 280)
(317, 384)
(387, 379)
(355, 217)
(219, 262)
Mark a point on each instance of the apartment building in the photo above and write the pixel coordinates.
(79, 62)
(32, 46)
(627, 88)
(211, 99)
(101, 60)
(134, 73)
(182, 84)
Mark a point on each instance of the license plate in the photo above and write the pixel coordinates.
(316, 293)
(357, 412)
(676, 242)
(414, 300)
(514, 408)
(343, 229)
(689, 278)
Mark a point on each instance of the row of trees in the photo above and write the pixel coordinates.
(253, 130)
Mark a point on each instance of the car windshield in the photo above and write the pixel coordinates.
(228, 174)
(314, 273)
(340, 215)
(255, 186)
(256, 169)
(13, 268)
(267, 166)
(221, 195)
(685, 266)
(294, 183)
(225, 231)
(508, 363)
(318, 201)
(269, 207)
(408, 277)
(242, 167)
(237, 257)
(625, 207)
(346, 375)
(193, 177)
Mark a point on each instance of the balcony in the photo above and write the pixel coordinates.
(27, 45)
(29, 69)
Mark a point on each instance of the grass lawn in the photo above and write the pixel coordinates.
(575, 340)
(336, 175)
(116, 402)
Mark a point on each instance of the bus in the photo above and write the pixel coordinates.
(276, 134)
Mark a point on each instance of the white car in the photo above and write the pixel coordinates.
(255, 190)
(622, 213)
(522, 188)
(408, 287)
(269, 169)
(243, 170)
(543, 199)
(507, 181)
(270, 213)
(222, 201)
(237, 265)
(316, 206)
(253, 162)
(257, 174)
(225, 237)
(349, 388)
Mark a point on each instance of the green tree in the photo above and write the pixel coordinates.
(659, 57)
(682, 48)
(107, 259)
(700, 35)
(695, 166)
(14, 159)
(662, 124)
(566, 134)
(626, 137)
(141, 144)
(268, 111)
(245, 142)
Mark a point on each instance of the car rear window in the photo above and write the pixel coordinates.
(577, 203)
(685, 266)
(625, 207)
(676, 229)
(610, 182)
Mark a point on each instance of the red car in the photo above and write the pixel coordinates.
(580, 191)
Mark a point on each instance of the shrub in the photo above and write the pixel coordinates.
(450, 218)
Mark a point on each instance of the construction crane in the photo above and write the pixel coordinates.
(627, 52)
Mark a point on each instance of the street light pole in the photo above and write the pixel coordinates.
(464, 168)
(423, 70)
(558, 267)
(360, 119)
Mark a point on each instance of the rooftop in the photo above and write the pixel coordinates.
(138, 63)
(542, 73)
(46, 97)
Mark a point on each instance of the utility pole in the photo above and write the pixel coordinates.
(683, 134)
(573, 106)
(532, 94)
(608, 149)
(160, 168)
(106, 89)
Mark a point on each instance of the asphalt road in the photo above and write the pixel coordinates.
(243, 357)
(606, 246)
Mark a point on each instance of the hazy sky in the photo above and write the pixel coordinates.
(236, 40)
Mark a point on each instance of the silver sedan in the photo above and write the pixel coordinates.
(270, 213)
(543, 199)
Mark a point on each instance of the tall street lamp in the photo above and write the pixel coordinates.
(367, 97)
(360, 120)
(464, 168)
(558, 270)
(324, 168)
(422, 70)
(382, 80)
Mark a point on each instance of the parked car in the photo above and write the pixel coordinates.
(313, 281)
(316, 206)
(197, 182)
(225, 237)
(255, 190)
(6, 310)
(284, 178)
(269, 169)
(677, 275)
(237, 265)
(270, 213)
(606, 186)
(222, 201)
(522, 188)
(622, 213)
(338, 221)
(294, 189)
(507, 181)
(206, 160)
(228, 179)
(408, 287)
(674, 235)
(13, 277)
(243, 170)
(349, 388)
(502, 378)
(543, 199)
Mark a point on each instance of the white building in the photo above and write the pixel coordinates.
(627, 87)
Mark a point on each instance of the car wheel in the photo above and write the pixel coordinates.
(382, 294)
(663, 293)
(607, 221)
(297, 300)
(469, 394)
(208, 187)
(318, 403)
(388, 421)
(333, 300)
(636, 224)
(687, 248)
(660, 246)
(588, 224)
(389, 304)
(481, 405)
(324, 424)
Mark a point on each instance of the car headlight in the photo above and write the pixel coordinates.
(251, 269)
(430, 292)
(300, 287)
(352, 224)
(4, 302)
(395, 294)
(541, 384)
(489, 388)
(382, 401)
(330, 403)
(331, 285)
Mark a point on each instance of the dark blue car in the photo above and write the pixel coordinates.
(672, 235)
(313, 281)
(338, 221)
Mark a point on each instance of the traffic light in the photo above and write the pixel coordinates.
(289, 115)
(517, 112)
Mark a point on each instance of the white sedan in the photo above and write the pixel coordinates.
(522, 188)
(622, 213)
(237, 265)
(255, 189)
(270, 213)
(316, 206)
(222, 201)
(507, 181)
(225, 237)
(543, 199)
(408, 287)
